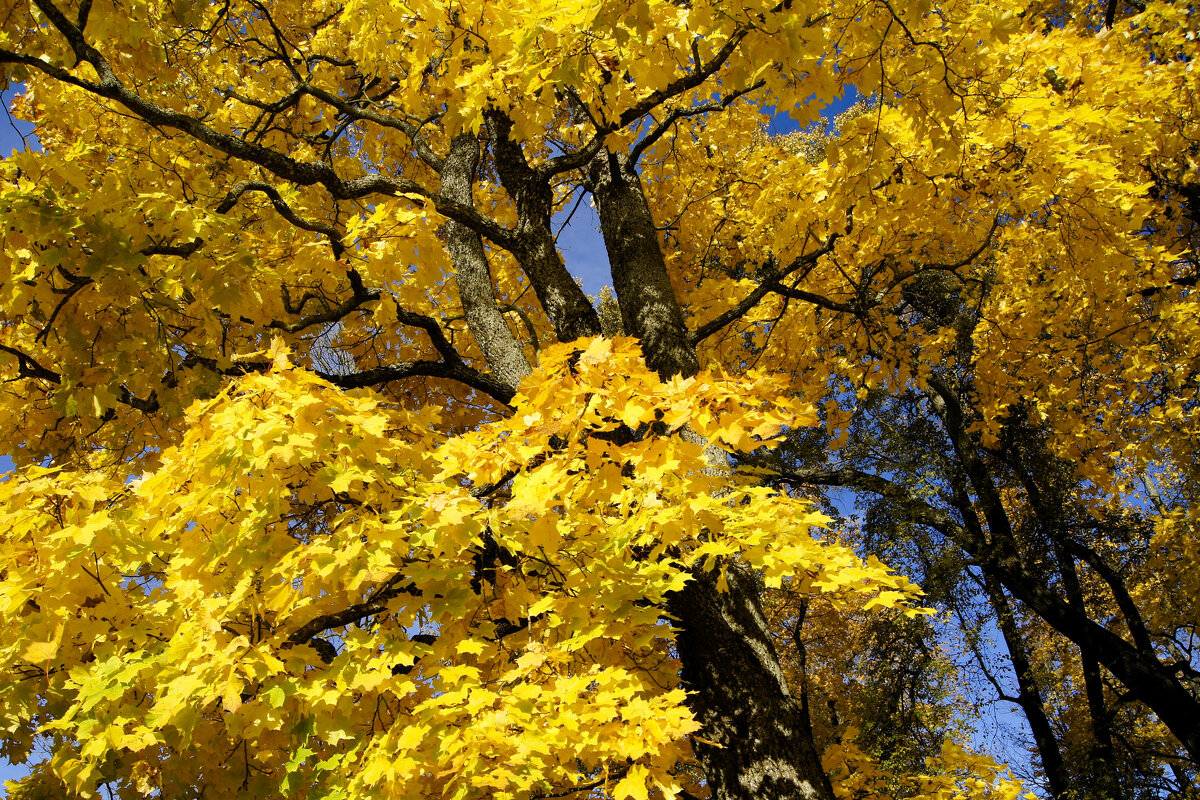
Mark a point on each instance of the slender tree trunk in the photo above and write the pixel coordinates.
(805, 718)
(1042, 476)
(1147, 678)
(568, 308)
(753, 742)
(1106, 785)
(1029, 695)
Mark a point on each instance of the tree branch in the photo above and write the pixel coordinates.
(377, 376)
(181, 250)
(301, 173)
(377, 604)
(769, 284)
(27, 367)
(918, 510)
(682, 112)
(285, 211)
(328, 316)
(579, 158)
(1129, 609)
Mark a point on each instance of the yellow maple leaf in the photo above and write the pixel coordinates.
(633, 785)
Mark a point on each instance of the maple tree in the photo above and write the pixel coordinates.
(328, 484)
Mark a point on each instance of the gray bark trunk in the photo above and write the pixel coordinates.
(472, 273)
(649, 308)
(754, 742)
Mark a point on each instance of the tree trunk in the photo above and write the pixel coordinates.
(472, 274)
(649, 308)
(1140, 671)
(1050, 502)
(568, 308)
(1029, 695)
(753, 741)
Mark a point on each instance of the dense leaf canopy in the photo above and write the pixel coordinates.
(330, 481)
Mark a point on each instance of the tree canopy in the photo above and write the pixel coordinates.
(331, 481)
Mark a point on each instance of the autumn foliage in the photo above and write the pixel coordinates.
(330, 481)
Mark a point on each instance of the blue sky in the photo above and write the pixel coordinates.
(582, 246)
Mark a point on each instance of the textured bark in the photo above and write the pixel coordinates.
(568, 308)
(754, 743)
(472, 274)
(649, 308)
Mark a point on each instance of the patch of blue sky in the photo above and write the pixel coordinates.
(15, 134)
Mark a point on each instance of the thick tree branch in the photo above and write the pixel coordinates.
(181, 250)
(377, 376)
(703, 72)
(377, 604)
(957, 427)
(1029, 692)
(918, 510)
(570, 312)
(357, 113)
(28, 367)
(1120, 593)
(1140, 671)
(285, 211)
(1187, 282)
